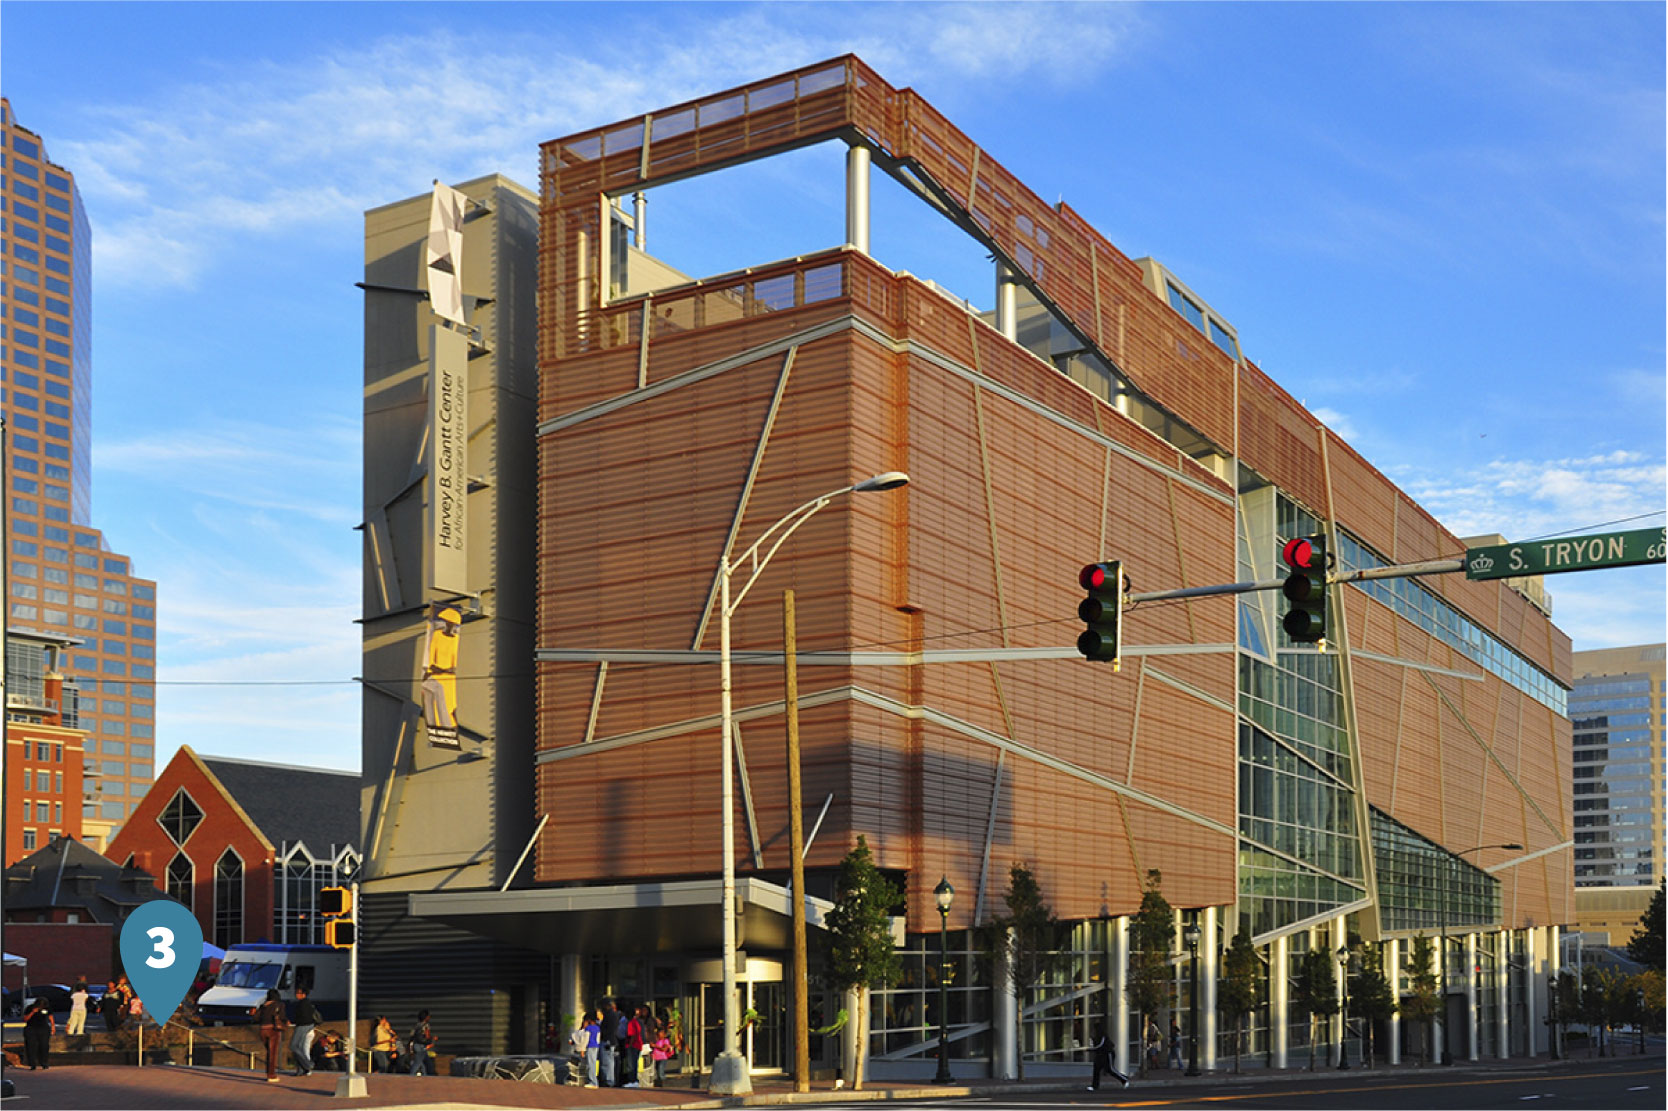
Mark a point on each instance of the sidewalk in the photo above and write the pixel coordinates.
(166, 1088)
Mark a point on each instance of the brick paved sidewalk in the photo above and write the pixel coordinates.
(166, 1088)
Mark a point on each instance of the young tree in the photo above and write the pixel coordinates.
(1597, 1007)
(1647, 944)
(1315, 992)
(1566, 1006)
(860, 951)
(1031, 937)
(1238, 992)
(1151, 932)
(1372, 997)
(1421, 1002)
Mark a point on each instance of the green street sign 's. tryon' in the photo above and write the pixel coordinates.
(1569, 553)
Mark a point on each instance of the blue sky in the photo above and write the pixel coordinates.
(1441, 226)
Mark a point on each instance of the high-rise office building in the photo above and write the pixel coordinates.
(61, 577)
(1617, 707)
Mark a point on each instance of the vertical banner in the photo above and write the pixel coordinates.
(448, 481)
(443, 256)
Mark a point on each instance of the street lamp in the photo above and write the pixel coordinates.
(729, 1069)
(945, 894)
(1191, 936)
(1443, 1055)
(1343, 1032)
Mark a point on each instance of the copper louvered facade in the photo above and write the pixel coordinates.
(752, 393)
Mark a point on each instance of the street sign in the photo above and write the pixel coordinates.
(1568, 553)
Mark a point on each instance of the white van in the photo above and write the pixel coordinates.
(247, 971)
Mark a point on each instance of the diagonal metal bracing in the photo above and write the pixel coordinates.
(903, 347)
(1488, 750)
(747, 796)
(746, 495)
(900, 709)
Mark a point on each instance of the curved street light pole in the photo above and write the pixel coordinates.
(729, 1070)
(1443, 1056)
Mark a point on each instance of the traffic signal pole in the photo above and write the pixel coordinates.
(352, 1086)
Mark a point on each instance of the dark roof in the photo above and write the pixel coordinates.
(65, 874)
(289, 804)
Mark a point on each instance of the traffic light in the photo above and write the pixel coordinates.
(1102, 611)
(340, 933)
(1305, 589)
(336, 905)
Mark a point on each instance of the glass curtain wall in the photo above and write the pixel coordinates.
(1300, 855)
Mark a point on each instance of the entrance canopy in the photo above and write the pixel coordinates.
(676, 916)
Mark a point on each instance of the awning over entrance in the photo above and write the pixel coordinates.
(679, 916)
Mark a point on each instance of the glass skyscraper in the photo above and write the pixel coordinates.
(1617, 709)
(62, 578)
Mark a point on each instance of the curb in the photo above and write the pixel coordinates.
(1012, 1088)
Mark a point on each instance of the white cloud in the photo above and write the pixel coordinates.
(1524, 499)
(1338, 422)
(256, 466)
(178, 178)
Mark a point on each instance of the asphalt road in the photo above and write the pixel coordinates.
(1620, 1083)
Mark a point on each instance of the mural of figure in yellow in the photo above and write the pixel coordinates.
(440, 682)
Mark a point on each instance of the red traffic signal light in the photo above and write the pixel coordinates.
(1300, 553)
(1102, 611)
(1305, 588)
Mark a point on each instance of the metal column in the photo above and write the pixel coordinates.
(1279, 972)
(1210, 969)
(1120, 994)
(1471, 1052)
(1502, 992)
(1393, 968)
(1007, 302)
(857, 198)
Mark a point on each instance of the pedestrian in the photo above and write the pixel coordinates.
(660, 1051)
(608, 1047)
(384, 1044)
(329, 1053)
(77, 1023)
(421, 1044)
(269, 1016)
(1175, 1061)
(1104, 1062)
(593, 1046)
(305, 1016)
(631, 1048)
(1155, 1044)
(135, 1008)
(38, 1025)
(110, 1007)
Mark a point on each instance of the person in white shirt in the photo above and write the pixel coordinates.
(78, 1010)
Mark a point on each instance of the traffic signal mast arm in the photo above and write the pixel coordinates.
(1400, 571)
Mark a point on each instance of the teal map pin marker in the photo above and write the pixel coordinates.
(162, 945)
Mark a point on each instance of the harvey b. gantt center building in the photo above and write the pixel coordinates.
(630, 428)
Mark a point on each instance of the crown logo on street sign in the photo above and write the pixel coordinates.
(1482, 563)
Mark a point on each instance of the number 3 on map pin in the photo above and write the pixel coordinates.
(162, 945)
